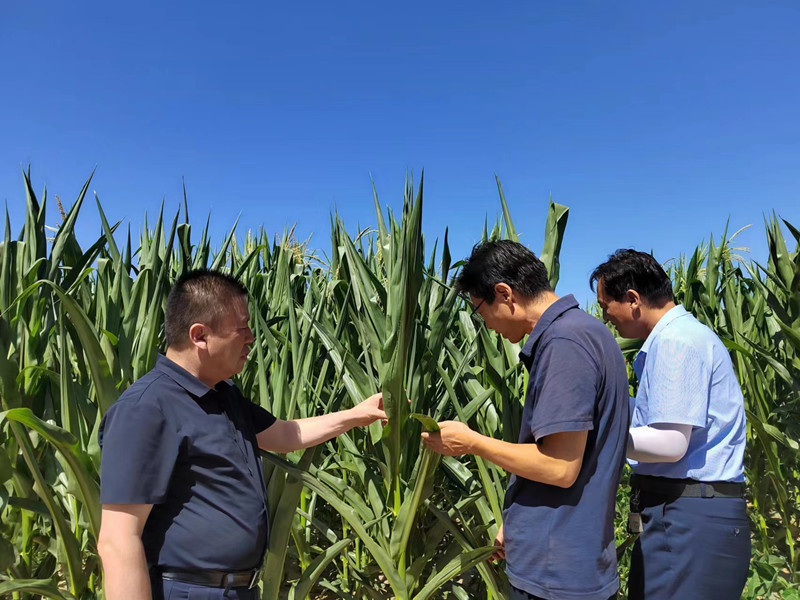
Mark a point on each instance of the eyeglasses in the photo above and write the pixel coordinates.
(474, 313)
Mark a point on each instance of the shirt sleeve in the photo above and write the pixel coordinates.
(678, 384)
(565, 387)
(140, 449)
(260, 417)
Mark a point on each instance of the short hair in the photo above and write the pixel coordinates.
(199, 296)
(629, 269)
(502, 261)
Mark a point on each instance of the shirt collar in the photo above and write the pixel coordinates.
(182, 377)
(671, 315)
(555, 310)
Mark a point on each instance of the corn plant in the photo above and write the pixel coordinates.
(391, 337)
(370, 514)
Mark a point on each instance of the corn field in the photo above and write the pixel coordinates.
(371, 514)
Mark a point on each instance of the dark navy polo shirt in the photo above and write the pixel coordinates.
(191, 451)
(560, 542)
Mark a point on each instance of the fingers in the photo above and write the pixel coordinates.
(370, 410)
(380, 417)
(498, 554)
(430, 437)
(433, 442)
(500, 549)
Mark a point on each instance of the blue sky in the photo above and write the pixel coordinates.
(654, 122)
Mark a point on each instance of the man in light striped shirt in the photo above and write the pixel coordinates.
(686, 441)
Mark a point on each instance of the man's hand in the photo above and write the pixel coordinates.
(368, 411)
(500, 546)
(453, 439)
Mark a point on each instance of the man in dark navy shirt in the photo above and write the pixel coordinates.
(182, 490)
(557, 536)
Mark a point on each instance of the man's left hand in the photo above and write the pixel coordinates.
(453, 439)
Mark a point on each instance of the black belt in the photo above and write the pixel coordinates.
(687, 488)
(212, 578)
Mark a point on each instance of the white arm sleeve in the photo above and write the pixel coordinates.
(660, 442)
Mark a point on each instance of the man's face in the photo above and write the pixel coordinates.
(230, 339)
(499, 317)
(619, 313)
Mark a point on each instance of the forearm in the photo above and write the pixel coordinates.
(125, 575)
(304, 433)
(662, 442)
(525, 460)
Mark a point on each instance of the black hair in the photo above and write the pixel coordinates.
(502, 261)
(199, 296)
(629, 269)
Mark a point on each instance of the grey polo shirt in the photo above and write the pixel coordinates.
(560, 542)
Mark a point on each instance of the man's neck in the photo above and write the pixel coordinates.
(188, 361)
(534, 309)
(652, 315)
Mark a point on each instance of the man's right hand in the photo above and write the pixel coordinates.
(453, 439)
(500, 546)
(369, 411)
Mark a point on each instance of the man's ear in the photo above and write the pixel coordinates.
(633, 298)
(503, 292)
(198, 334)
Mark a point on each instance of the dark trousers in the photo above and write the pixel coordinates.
(165, 589)
(690, 548)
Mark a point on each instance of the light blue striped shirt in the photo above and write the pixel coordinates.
(686, 376)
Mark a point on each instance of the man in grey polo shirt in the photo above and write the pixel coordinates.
(558, 535)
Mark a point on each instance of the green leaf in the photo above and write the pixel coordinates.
(316, 568)
(43, 587)
(69, 550)
(409, 509)
(428, 423)
(77, 460)
(104, 382)
(281, 519)
(331, 497)
(554, 228)
(462, 562)
(511, 232)
(66, 233)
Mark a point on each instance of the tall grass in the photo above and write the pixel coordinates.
(370, 514)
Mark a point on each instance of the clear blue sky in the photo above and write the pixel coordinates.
(653, 122)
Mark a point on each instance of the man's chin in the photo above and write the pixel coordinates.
(624, 333)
